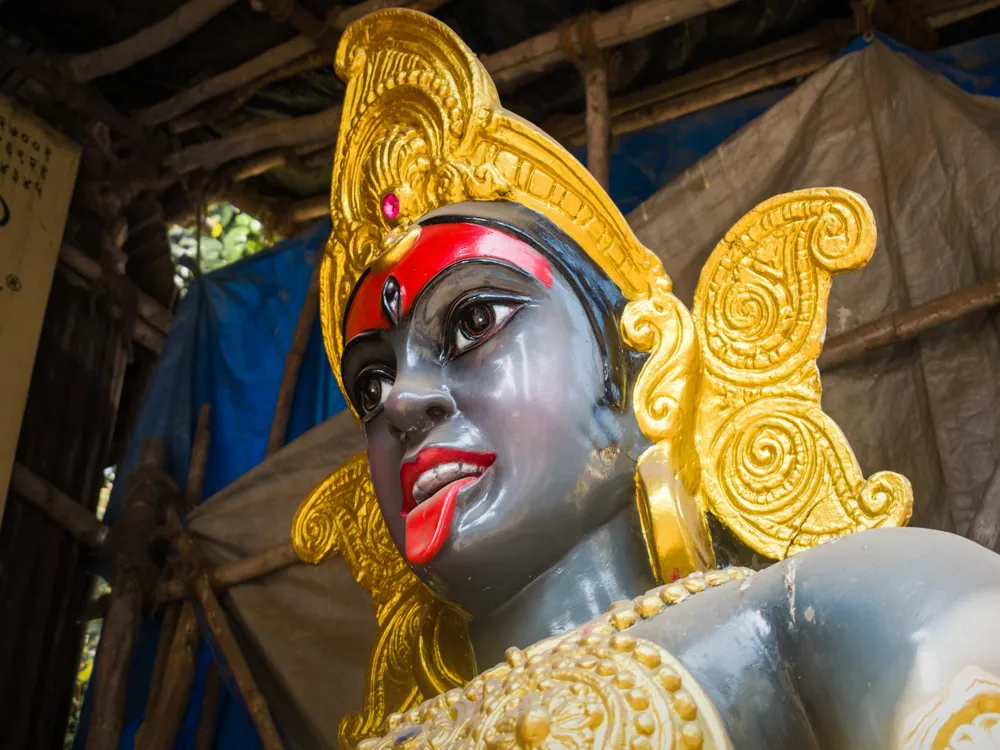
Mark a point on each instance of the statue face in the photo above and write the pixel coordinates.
(481, 384)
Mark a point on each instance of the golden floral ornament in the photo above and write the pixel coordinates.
(593, 688)
(966, 716)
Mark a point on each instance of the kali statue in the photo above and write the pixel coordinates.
(563, 459)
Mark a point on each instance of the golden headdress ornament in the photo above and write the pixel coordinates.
(422, 127)
(729, 395)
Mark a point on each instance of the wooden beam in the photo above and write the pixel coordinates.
(155, 314)
(903, 326)
(323, 32)
(947, 16)
(747, 83)
(262, 65)
(281, 133)
(293, 363)
(235, 573)
(595, 78)
(66, 512)
(131, 562)
(532, 57)
(215, 618)
(310, 208)
(199, 458)
(76, 96)
(209, 707)
(225, 106)
(86, 270)
(148, 42)
(572, 128)
(160, 728)
(223, 83)
(308, 156)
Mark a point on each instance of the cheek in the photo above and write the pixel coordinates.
(384, 456)
(542, 375)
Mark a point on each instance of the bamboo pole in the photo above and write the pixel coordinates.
(68, 514)
(223, 83)
(168, 627)
(209, 707)
(595, 77)
(134, 533)
(199, 458)
(142, 332)
(532, 57)
(217, 623)
(170, 686)
(310, 208)
(310, 155)
(697, 101)
(290, 132)
(254, 699)
(160, 729)
(111, 674)
(260, 66)
(237, 572)
(75, 95)
(903, 326)
(947, 16)
(148, 42)
(222, 108)
(151, 311)
(293, 363)
(323, 32)
(828, 36)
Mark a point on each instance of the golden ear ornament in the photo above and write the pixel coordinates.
(730, 392)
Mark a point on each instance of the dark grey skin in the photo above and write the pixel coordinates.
(555, 512)
(840, 646)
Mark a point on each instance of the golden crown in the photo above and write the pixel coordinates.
(422, 127)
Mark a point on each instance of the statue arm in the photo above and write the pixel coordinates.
(891, 637)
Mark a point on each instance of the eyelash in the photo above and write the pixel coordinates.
(501, 310)
(385, 378)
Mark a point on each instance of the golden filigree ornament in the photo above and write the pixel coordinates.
(422, 647)
(775, 468)
(965, 716)
(596, 689)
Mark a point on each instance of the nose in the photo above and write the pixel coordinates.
(416, 404)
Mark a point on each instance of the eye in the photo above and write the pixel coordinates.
(372, 389)
(474, 320)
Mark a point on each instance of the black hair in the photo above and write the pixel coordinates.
(602, 300)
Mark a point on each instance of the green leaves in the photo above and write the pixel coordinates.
(227, 235)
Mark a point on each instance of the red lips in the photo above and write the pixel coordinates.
(429, 523)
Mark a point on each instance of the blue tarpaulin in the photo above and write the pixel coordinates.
(233, 329)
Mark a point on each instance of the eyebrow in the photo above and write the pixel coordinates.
(438, 247)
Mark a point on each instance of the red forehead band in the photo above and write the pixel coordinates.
(437, 247)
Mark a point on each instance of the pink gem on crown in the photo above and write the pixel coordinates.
(390, 206)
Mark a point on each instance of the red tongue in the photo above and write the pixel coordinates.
(429, 524)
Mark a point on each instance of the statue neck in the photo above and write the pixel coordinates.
(607, 566)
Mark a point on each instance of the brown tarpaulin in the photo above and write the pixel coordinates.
(926, 156)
